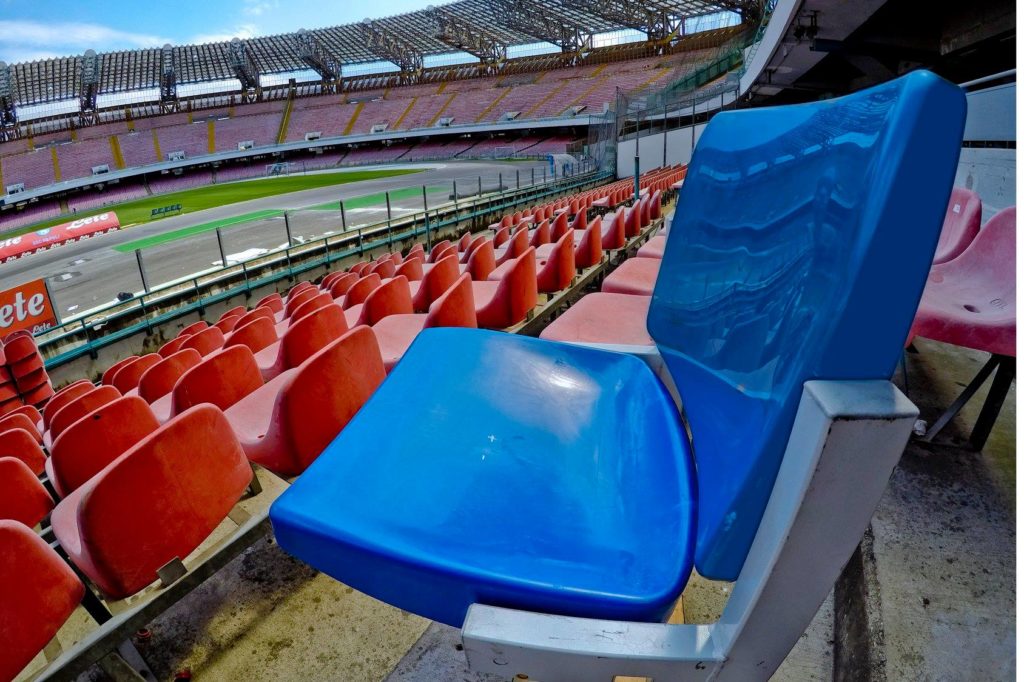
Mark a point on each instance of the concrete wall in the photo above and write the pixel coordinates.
(653, 150)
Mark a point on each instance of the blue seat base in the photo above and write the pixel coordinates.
(497, 469)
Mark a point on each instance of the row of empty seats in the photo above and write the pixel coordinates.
(162, 448)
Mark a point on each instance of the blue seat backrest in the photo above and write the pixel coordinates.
(799, 251)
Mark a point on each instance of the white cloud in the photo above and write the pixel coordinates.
(242, 32)
(21, 39)
(256, 8)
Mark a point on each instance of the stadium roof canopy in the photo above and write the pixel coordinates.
(485, 29)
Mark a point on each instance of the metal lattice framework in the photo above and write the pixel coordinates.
(485, 29)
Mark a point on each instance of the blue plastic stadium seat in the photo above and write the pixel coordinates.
(550, 477)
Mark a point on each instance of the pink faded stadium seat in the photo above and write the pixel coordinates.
(613, 230)
(588, 247)
(194, 328)
(159, 379)
(227, 324)
(21, 444)
(963, 220)
(317, 302)
(256, 334)
(90, 444)
(971, 301)
(22, 497)
(340, 286)
(62, 398)
(411, 269)
(654, 248)
(516, 246)
(205, 341)
(48, 591)
(437, 280)
(504, 303)
(108, 377)
(635, 276)
(556, 270)
(541, 234)
(438, 248)
(305, 337)
(166, 494)
(272, 301)
(358, 292)
(257, 312)
(619, 319)
(385, 268)
(287, 423)
(127, 378)
(78, 408)
(221, 379)
(16, 420)
(481, 261)
(477, 241)
(454, 308)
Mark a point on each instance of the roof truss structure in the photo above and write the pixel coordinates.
(389, 45)
(314, 54)
(244, 66)
(544, 22)
(474, 38)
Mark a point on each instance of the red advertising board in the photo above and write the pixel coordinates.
(40, 240)
(26, 306)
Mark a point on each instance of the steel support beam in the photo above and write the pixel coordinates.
(314, 54)
(8, 115)
(469, 37)
(540, 21)
(245, 67)
(387, 45)
(168, 80)
(88, 86)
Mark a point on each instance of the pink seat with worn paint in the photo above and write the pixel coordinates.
(636, 276)
(961, 225)
(303, 338)
(971, 300)
(654, 248)
(601, 318)
(507, 302)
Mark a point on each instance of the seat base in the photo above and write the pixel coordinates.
(603, 318)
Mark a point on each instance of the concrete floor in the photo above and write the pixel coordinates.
(944, 539)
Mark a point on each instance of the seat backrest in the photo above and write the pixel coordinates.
(227, 324)
(437, 281)
(256, 335)
(588, 251)
(158, 380)
(17, 348)
(501, 236)
(255, 313)
(128, 377)
(172, 346)
(541, 234)
(411, 269)
(194, 328)
(464, 240)
(438, 248)
(340, 286)
(390, 298)
(963, 220)
(48, 592)
(455, 307)
(614, 235)
(81, 406)
(316, 303)
(222, 379)
(518, 286)
(984, 263)
(108, 376)
(481, 262)
(328, 389)
(358, 292)
(822, 218)
(517, 245)
(17, 420)
(233, 312)
(196, 463)
(297, 289)
(560, 267)
(477, 241)
(22, 497)
(90, 444)
(205, 341)
(24, 445)
(385, 268)
(272, 301)
(297, 299)
(309, 334)
(62, 398)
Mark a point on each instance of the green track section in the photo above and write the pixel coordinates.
(378, 199)
(200, 198)
(186, 232)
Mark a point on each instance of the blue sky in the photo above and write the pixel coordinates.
(38, 29)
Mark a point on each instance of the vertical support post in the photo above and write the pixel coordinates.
(142, 270)
(288, 229)
(517, 178)
(344, 221)
(544, 175)
(479, 186)
(220, 247)
(533, 176)
(636, 161)
(387, 199)
(455, 195)
(664, 134)
(693, 119)
(426, 217)
(501, 186)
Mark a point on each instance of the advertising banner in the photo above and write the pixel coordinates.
(26, 306)
(48, 238)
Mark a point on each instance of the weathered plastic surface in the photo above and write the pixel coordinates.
(22, 497)
(603, 318)
(46, 593)
(636, 276)
(971, 300)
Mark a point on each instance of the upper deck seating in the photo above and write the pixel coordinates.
(46, 594)
(614, 508)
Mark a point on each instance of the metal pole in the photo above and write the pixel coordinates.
(517, 178)
(455, 194)
(533, 176)
(426, 217)
(479, 186)
(636, 161)
(142, 270)
(288, 229)
(693, 119)
(344, 221)
(664, 134)
(220, 247)
(501, 186)
(387, 198)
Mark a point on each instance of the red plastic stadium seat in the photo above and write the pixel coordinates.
(636, 276)
(286, 424)
(128, 376)
(33, 415)
(360, 268)
(23, 445)
(963, 220)
(22, 497)
(159, 379)
(481, 261)
(516, 247)
(39, 395)
(360, 290)
(328, 280)
(78, 408)
(24, 367)
(220, 379)
(47, 593)
(385, 268)
(227, 324)
(506, 302)
(305, 337)
(390, 298)
(633, 218)
(556, 270)
(613, 230)
(970, 301)
(90, 444)
(541, 234)
(63, 397)
(298, 289)
(654, 248)
(411, 269)
(172, 346)
(256, 334)
(477, 241)
(340, 286)
(165, 494)
(9, 392)
(108, 377)
(194, 328)
(588, 246)
(438, 248)
(272, 301)
(17, 420)
(454, 308)
(233, 312)
(321, 300)
(205, 341)
(257, 312)
(18, 347)
(602, 318)
(501, 236)
(437, 280)
(467, 237)
(295, 300)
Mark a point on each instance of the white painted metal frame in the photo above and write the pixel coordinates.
(846, 439)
